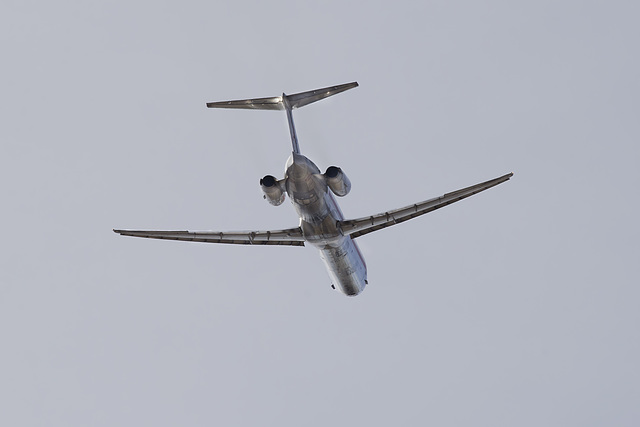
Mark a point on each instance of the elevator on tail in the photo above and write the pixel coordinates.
(312, 194)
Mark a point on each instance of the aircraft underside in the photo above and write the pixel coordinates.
(312, 195)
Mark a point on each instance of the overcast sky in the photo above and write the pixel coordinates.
(516, 307)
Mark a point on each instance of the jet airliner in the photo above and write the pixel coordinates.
(312, 195)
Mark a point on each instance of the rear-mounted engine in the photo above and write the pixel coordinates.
(273, 190)
(337, 181)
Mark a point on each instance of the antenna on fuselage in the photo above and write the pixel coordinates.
(285, 102)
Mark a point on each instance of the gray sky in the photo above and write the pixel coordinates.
(518, 306)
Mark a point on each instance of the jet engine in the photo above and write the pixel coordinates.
(273, 190)
(337, 181)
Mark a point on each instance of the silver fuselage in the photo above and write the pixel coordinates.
(311, 192)
(319, 215)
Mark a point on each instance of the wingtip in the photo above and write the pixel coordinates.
(506, 176)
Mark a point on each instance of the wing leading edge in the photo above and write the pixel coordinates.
(289, 237)
(361, 226)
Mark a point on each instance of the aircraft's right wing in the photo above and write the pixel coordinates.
(361, 226)
(289, 237)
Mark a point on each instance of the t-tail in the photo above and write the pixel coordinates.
(287, 103)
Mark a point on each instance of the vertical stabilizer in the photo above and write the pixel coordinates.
(292, 129)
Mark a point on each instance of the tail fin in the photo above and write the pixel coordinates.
(285, 102)
(296, 100)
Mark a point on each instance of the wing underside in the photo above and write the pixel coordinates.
(293, 236)
(289, 237)
(361, 226)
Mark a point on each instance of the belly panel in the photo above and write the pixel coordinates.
(345, 266)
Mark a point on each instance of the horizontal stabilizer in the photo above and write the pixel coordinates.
(274, 103)
(296, 100)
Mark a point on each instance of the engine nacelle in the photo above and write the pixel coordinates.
(337, 181)
(273, 190)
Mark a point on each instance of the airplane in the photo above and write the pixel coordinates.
(312, 194)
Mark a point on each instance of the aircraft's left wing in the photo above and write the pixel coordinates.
(289, 237)
(365, 225)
